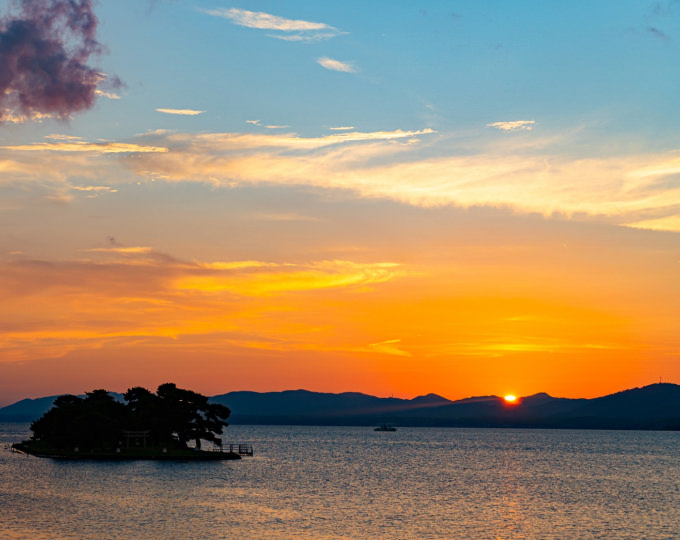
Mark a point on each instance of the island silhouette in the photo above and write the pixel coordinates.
(169, 424)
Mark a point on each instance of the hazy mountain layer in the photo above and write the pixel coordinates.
(656, 406)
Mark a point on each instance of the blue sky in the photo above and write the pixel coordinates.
(606, 67)
(444, 65)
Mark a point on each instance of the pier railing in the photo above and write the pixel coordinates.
(242, 449)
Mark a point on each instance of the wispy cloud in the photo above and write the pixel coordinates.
(225, 142)
(517, 125)
(633, 190)
(74, 145)
(341, 128)
(669, 223)
(286, 278)
(238, 265)
(268, 126)
(93, 191)
(10, 116)
(109, 95)
(131, 250)
(141, 296)
(181, 112)
(336, 65)
(291, 29)
(62, 137)
(266, 21)
(372, 165)
(285, 217)
(390, 347)
(527, 345)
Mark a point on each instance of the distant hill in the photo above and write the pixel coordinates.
(305, 407)
(28, 410)
(656, 406)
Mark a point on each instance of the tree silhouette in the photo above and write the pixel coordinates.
(95, 421)
(173, 416)
(189, 415)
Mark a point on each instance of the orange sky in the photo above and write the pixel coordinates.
(523, 305)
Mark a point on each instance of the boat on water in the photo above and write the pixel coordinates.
(385, 427)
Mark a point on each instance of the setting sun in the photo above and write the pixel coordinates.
(510, 398)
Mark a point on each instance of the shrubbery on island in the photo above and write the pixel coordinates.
(145, 425)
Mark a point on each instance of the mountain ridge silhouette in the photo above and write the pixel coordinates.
(656, 406)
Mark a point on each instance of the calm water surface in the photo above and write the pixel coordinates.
(346, 482)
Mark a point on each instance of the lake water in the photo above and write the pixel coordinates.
(349, 482)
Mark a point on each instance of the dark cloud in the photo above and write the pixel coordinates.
(45, 47)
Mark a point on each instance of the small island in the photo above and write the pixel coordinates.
(168, 425)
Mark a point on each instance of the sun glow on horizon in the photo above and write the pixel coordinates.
(510, 398)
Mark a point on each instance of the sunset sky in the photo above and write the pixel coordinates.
(458, 197)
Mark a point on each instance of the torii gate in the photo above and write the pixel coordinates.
(136, 435)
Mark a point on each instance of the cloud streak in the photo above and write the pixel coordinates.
(517, 125)
(288, 278)
(224, 142)
(108, 95)
(336, 65)
(180, 112)
(291, 29)
(72, 145)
